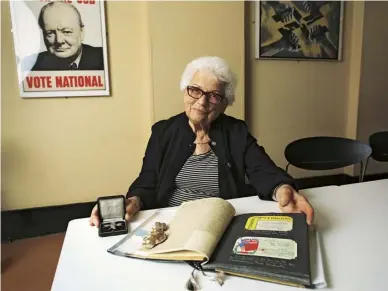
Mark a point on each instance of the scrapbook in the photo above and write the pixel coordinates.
(208, 233)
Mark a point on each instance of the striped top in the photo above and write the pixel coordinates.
(197, 179)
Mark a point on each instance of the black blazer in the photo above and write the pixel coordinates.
(239, 155)
(92, 59)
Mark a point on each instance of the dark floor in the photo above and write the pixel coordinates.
(30, 264)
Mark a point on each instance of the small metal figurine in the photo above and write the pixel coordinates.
(219, 277)
(156, 236)
(192, 284)
(160, 226)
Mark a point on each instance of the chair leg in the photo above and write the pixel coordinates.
(363, 170)
(287, 167)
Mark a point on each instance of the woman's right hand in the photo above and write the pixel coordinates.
(132, 206)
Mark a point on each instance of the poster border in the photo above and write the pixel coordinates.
(63, 93)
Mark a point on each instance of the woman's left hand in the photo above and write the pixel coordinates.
(291, 201)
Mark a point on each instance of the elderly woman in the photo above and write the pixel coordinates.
(204, 153)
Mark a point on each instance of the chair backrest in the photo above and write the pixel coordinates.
(326, 153)
(379, 144)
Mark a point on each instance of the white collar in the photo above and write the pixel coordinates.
(77, 60)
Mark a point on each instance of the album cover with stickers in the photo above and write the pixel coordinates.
(267, 246)
(208, 235)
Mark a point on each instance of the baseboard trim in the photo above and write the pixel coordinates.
(40, 221)
(34, 222)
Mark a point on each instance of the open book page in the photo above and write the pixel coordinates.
(197, 226)
(193, 232)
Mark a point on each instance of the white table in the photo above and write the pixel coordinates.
(352, 219)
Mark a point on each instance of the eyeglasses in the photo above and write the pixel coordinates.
(197, 93)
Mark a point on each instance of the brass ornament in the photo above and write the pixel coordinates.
(156, 236)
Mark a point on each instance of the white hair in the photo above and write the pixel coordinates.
(217, 67)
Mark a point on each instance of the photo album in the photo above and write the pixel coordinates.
(271, 247)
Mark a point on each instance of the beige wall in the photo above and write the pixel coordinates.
(193, 29)
(58, 151)
(373, 104)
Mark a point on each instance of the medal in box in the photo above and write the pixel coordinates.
(111, 210)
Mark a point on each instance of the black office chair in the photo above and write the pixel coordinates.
(326, 153)
(379, 144)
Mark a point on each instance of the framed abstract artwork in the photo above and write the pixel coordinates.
(60, 48)
(299, 30)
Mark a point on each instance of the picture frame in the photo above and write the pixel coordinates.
(60, 48)
(299, 30)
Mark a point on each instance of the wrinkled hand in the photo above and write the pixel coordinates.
(291, 201)
(132, 206)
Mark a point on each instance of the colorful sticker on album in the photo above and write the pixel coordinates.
(271, 223)
(279, 248)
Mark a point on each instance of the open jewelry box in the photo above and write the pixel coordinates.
(111, 210)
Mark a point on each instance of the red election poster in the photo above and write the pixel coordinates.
(60, 48)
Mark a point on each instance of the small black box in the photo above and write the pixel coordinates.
(111, 210)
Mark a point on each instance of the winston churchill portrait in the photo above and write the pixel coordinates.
(63, 34)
